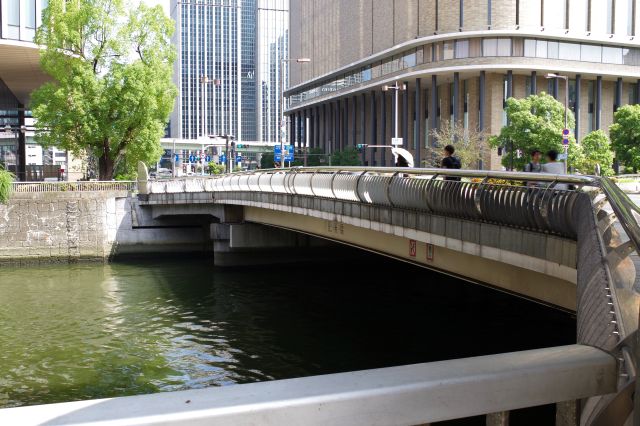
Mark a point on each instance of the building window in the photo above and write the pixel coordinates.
(590, 53)
(496, 47)
(633, 94)
(448, 50)
(31, 13)
(568, 52)
(591, 93)
(409, 59)
(610, 17)
(426, 118)
(552, 49)
(612, 55)
(462, 49)
(518, 47)
(14, 13)
(541, 49)
(530, 48)
(505, 91)
(452, 115)
(366, 73)
(630, 17)
(465, 117)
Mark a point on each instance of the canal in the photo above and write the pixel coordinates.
(72, 332)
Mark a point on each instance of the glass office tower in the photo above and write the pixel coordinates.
(272, 46)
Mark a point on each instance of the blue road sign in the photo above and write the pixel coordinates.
(192, 158)
(288, 156)
(223, 159)
(177, 158)
(238, 158)
(208, 158)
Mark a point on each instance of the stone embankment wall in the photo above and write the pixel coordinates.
(67, 226)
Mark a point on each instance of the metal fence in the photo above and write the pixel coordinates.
(523, 200)
(23, 187)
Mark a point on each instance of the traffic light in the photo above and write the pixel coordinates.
(240, 146)
(361, 146)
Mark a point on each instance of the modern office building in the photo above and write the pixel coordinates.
(20, 73)
(232, 44)
(272, 45)
(460, 61)
(217, 40)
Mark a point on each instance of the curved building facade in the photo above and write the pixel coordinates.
(460, 60)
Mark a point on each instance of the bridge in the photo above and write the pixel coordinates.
(516, 232)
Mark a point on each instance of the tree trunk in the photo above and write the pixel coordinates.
(105, 166)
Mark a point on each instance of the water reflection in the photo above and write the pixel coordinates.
(86, 331)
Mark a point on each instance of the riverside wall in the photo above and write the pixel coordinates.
(69, 226)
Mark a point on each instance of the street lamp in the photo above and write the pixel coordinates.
(282, 123)
(397, 87)
(566, 108)
(227, 139)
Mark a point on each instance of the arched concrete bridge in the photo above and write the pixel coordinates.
(573, 249)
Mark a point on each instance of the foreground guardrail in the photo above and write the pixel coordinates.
(24, 187)
(411, 394)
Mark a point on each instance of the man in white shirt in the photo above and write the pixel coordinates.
(552, 166)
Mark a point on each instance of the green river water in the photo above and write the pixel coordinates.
(71, 332)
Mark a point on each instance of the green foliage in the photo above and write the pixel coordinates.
(470, 144)
(347, 157)
(6, 187)
(215, 168)
(594, 149)
(267, 161)
(535, 122)
(111, 92)
(625, 135)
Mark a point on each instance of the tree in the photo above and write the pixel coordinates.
(594, 149)
(111, 93)
(470, 144)
(347, 157)
(6, 184)
(535, 122)
(625, 135)
(215, 168)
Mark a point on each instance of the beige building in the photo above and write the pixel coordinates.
(459, 59)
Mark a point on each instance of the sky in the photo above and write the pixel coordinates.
(163, 3)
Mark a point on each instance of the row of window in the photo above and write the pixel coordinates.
(474, 48)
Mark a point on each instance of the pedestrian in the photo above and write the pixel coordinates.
(534, 166)
(552, 166)
(450, 162)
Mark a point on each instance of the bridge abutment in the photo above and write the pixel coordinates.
(248, 244)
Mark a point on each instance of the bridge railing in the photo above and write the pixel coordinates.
(25, 187)
(468, 194)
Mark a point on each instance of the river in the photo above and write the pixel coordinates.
(72, 332)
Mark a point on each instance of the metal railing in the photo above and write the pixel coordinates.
(23, 187)
(496, 197)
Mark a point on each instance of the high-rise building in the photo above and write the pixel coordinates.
(20, 74)
(272, 45)
(207, 39)
(236, 44)
(460, 61)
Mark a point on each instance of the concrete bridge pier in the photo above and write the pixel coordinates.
(249, 244)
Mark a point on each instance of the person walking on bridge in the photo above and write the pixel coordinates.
(554, 167)
(450, 162)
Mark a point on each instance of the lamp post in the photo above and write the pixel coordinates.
(566, 108)
(397, 88)
(283, 61)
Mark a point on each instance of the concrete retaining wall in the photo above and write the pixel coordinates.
(66, 226)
